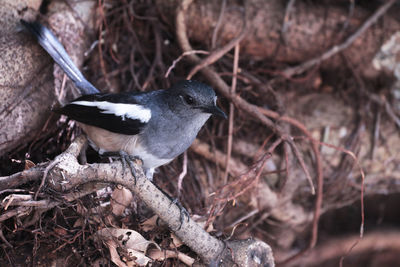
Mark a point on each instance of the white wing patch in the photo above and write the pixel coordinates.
(132, 111)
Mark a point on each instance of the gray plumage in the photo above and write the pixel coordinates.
(174, 124)
(155, 126)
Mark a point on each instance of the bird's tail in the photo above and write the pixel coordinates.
(55, 49)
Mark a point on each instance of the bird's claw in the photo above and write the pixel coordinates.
(126, 159)
(182, 212)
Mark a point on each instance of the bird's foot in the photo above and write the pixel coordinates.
(182, 212)
(126, 159)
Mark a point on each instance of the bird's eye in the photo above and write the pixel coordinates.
(188, 99)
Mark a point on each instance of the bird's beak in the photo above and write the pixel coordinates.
(215, 111)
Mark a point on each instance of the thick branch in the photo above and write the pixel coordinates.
(189, 232)
(23, 177)
(68, 174)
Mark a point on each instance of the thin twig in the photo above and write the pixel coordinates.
(318, 166)
(349, 16)
(186, 53)
(220, 52)
(375, 138)
(218, 157)
(61, 93)
(356, 162)
(2, 237)
(242, 218)
(286, 19)
(380, 100)
(17, 212)
(219, 23)
(183, 173)
(254, 110)
(102, 63)
(157, 57)
(391, 113)
(303, 166)
(46, 172)
(242, 184)
(231, 113)
(362, 208)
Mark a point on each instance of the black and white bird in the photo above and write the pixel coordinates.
(154, 126)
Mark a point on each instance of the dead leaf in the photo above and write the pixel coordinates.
(149, 224)
(176, 241)
(120, 199)
(112, 247)
(139, 258)
(29, 164)
(134, 244)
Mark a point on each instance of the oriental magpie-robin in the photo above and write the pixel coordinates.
(154, 126)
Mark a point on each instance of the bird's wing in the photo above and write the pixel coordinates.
(118, 113)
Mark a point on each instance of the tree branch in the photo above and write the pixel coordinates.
(68, 174)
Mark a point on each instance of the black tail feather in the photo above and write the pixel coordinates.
(55, 49)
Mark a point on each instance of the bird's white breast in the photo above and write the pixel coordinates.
(106, 141)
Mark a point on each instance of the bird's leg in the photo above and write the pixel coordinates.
(182, 210)
(125, 158)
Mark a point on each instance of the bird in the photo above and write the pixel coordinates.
(154, 126)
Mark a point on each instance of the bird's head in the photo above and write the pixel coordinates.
(194, 97)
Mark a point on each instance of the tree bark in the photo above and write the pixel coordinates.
(28, 86)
